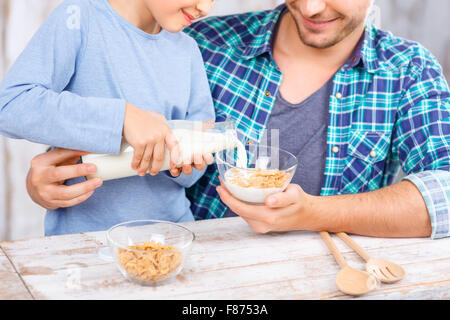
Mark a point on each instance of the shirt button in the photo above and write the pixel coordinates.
(373, 153)
(267, 94)
(335, 149)
(339, 95)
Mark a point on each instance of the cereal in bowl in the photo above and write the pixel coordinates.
(154, 263)
(260, 178)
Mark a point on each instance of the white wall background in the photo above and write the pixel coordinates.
(425, 21)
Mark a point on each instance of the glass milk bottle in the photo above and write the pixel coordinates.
(193, 138)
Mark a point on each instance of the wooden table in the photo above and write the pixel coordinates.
(228, 261)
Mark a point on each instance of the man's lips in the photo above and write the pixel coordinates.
(318, 25)
(188, 17)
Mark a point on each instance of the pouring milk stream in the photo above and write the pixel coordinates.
(193, 138)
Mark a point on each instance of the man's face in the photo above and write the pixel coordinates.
(323, 23)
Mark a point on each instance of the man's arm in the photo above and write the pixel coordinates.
(395, 211)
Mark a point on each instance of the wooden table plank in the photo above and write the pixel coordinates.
(11, 286)
(230, 261)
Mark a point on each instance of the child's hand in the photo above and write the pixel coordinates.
(148, 133)
(199, 163)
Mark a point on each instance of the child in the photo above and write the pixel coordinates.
(98, 71)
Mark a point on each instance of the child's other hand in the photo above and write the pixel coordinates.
(148, 133)
(199, 162)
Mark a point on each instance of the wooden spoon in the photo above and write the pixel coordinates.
(349, 280)
(385, 271)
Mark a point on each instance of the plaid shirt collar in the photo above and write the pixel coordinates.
(261, 43)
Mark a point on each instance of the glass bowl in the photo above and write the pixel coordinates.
(149, 252)
(267, 170)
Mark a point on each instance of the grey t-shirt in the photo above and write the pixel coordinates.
(302, 131)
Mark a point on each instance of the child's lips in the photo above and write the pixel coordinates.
(188, 17)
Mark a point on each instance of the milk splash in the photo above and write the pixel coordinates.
(257, 153)
(241, 161)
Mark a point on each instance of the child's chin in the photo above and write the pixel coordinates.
(174, 29)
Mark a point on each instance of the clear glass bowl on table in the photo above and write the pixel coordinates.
(149, 252)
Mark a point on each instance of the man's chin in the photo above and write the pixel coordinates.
(318, 42)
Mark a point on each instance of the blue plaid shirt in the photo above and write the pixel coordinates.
(389, 111)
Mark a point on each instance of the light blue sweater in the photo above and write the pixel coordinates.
(69, 88)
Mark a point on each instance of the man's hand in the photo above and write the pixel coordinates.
(281, 212)
(49, 171)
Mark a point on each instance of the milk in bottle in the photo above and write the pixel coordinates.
(193, 138)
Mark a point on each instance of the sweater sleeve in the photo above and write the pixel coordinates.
(200, 108)
(34, 102)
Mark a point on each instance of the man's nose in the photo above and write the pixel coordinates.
(310, 8)
(204, 7)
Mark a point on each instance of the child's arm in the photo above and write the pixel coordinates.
(33, 103)
(200, 108)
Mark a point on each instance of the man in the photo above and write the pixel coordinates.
(354, 103)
